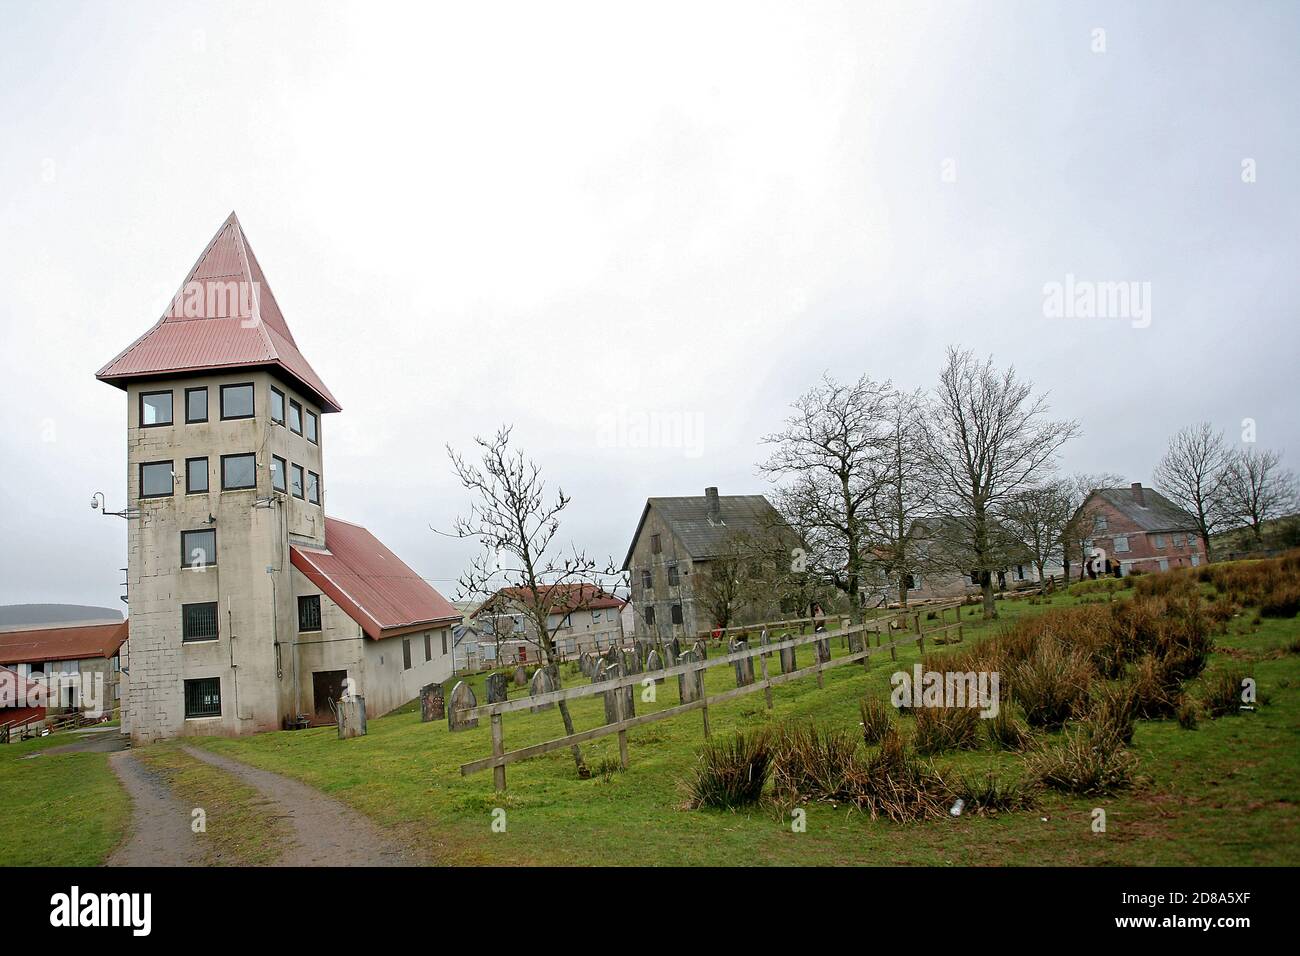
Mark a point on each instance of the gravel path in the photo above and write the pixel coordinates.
(160, 825)
(327, 833)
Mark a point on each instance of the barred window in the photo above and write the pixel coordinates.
(203, 697)
(677, 614)
(309, 612)
(199, 622)
(672, 576)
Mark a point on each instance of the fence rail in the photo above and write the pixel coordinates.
(617, 686)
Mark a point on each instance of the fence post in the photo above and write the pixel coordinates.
(620, 711)
(498, 748)
(767, 690)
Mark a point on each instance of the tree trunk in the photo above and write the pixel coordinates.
(986, 588)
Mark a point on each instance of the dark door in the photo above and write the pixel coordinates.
(327, 688)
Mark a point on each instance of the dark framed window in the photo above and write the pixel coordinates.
(277, 405)
(313, 428)
(647, 581)
(156, 479)
(199, 548)
(295, 417)
(677, 614)
(279, 473)
(444, 642)
(196, 475)
(313, 487)
(656, 544)
(203, 697)
(428, 646)
(155, 409)
(199, 622)
(406, 653)
(196, 405)
(295, 479)
(309, 612)
(650, 615)
(238, 471)
(673, 580)
(237, 400)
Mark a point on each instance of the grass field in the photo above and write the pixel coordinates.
(1223, 793)
(58, 809)
(1220, 794)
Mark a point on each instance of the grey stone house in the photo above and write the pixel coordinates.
(672, 548)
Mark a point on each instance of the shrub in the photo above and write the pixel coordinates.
(990, 794)
(1187, 714)
(732, 771)
(1283, 601)
(1088, 760)
(1007, 732)
(1051, 685)
(876, 720)
(1114, 709)
(1222, 693)
(939, 729)
(1155, 692)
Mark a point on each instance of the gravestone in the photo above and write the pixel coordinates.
(765, 639)
(701, 650)
(461, 701)
(496, 688)
(611, 697)
(432, 704)
(632, 659)
(670, 655)
(351, 716)
(823, 649)
(653, 663)
(744, 668)
(541, 684)
(614, 656)
(553, 672)
(690, 686)
(521, 676)
(677, 648)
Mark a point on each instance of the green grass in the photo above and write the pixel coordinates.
(1222, 794)
(58, 809)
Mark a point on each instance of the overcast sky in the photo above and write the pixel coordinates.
(635, 231)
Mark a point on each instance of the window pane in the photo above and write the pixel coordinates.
(199, 548)
(156, 479)
(199, 622)
(236, 401)
(311, 426)
(238, 471)
(196, 405)
(313, 488)
(296, 472)
(277, 406)
(295, 416)
(203, 697)
(156, 409)
(278, 477)
(309, 612)
(196, 475)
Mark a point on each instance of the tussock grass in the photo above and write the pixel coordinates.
(731, 771)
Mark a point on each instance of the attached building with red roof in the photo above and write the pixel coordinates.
(250, 609)
(80, 662)
(580, 617)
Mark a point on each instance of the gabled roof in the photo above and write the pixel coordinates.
(702, 537)
(371, 584)
(1156, 513)
(224, 316)
(559, 598)
(32, 645)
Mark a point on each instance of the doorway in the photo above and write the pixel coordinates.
(327, 688)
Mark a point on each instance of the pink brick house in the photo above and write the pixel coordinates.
(1138, 527)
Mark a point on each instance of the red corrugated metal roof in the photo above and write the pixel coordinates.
(568, 597)
(370, 583)
(73, 643)
(14, 689)
(206, 329)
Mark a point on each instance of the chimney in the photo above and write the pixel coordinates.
(1138, 496)
(712, 505)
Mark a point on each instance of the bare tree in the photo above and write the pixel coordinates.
(1078, 531)
(902, 492)
(1039, 517)
(517, 525)
(829, 453)
(1193, 474)
(1258, 489)
(722, 585)
(987, 438)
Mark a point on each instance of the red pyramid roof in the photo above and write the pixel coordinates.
(224, 316)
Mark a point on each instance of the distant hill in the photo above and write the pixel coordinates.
(17, 616)
(1279, 534)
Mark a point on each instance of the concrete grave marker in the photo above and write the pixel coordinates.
(432, 704)
(541, 684)
(496, 688)
(690, 686)
(461, 701)
(654, 662)
(744, 668)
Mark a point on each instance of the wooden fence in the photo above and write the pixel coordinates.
(690, 671)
